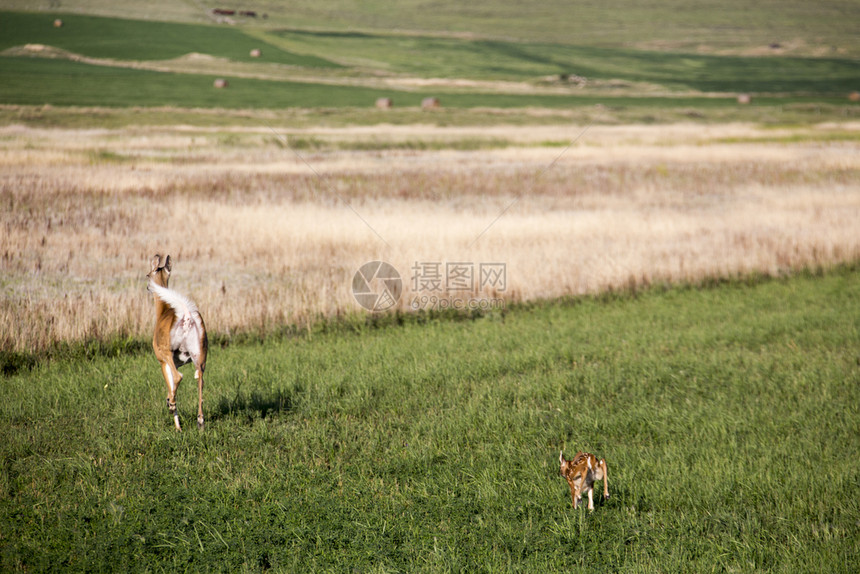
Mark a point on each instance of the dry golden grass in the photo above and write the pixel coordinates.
(263, 236)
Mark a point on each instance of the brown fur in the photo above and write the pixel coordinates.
(177, 341)
(581, 472)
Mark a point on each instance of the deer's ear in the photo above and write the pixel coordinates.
(561, 456)
(156, 262)
(167, 263)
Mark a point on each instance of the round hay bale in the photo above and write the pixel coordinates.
(744, 99)
(221, 83)
(58, 23)
(256, 53)
(430, 104)
(384, 103)
(854, 96)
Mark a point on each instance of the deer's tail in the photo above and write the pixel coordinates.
(184, 308)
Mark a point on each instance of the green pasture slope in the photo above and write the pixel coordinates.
(139, 40)
(729, 417)
(439, 57)
(36, 81)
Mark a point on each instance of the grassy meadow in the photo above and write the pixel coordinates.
(728, 416)
(681, 287)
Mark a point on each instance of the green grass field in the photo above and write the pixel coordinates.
(728, 416)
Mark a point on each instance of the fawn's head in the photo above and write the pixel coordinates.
(160, 272)
(564, 464)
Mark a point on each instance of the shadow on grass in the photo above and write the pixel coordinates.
(255, 405)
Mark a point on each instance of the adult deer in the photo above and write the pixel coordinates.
(180, 336)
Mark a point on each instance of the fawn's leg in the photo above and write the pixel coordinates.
(605, 479)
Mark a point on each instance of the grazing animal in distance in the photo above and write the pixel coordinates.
(180, 336)
(581, 472)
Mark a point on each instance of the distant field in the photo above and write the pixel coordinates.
(34, 81)
(441, 57)
(113, 62)
(798, 27)
(728, 417)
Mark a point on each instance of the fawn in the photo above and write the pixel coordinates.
(581, 472)
(180, 336)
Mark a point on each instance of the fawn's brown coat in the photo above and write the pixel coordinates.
(581, 472)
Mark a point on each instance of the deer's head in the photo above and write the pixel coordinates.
(159, 273)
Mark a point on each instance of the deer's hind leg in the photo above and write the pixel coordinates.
(198, 374)
(199, 361)
(172, 377)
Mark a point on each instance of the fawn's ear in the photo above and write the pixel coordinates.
(561, 456)
(155, 263)
(167, 264)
